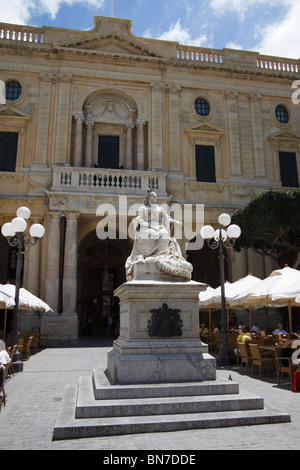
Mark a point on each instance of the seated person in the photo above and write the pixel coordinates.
(280, 330)
(243, 337)
(255, 327)
(203, 331)
(4, 357)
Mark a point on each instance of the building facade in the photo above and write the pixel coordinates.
(98, 116)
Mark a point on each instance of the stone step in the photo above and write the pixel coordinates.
(69, 427)
(88, 407)
(104, 390)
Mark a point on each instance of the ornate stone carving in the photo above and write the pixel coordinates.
(165, 322)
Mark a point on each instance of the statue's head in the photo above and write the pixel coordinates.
(151, 197)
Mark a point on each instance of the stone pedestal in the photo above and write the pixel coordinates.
(159, 331)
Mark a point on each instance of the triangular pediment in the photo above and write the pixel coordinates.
(109, 42)
(204, 128)
(109, 35)
(285, 135)
(7, 111)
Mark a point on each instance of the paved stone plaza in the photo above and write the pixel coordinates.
(34, 397)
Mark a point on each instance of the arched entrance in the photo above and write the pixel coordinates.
(101, 269)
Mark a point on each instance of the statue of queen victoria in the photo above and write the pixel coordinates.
(154, 243)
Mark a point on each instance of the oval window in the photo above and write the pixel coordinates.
(282, 114)
(13, 90)
(202, 107)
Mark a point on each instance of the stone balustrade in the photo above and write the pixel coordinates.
(237, 57)
(108, 181)
(199, 54)
(278, 64)
(21, 33)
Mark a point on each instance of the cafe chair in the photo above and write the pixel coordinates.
(24, 347)
(214, 341)
(43, 339)
(283, 365)
(245, 355)
(9, 367)
(2, 372)
(35, 341)
(260, 359)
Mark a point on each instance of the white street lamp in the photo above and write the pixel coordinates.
(14, 233)
(23, 212)
(218, 239)
(37, 231)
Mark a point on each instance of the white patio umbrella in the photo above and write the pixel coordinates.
(287, 294)
(27, 301)
(278, 281)
(204, 301)
(205, 297)
(233, 290)
(6, 301)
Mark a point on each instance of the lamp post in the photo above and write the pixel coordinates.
(221, 238)
(14, 233)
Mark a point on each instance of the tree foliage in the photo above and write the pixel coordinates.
(270, 224)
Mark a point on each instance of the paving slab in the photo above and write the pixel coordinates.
(34, 399)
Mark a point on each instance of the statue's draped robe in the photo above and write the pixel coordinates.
(154, 244)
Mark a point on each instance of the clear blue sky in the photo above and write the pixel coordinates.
(267, 26)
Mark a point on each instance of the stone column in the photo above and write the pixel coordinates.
(78, 140)
(88, 144)
(157, 126)
(52, 268)
(234, 138)
(32, 263)
(276, 165)
(70, 264)
(239, 264)
(63, 121)
(256, 264)
(246, 143)
(258, 141)
(129, 128)
(43, 119)
(140, 145)
(174, 133)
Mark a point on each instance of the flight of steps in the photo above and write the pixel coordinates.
(94, 408)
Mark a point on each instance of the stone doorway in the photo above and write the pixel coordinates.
(101, 269)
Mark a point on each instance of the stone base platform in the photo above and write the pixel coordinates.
(95, 408)
(142, 362)
(159, 331)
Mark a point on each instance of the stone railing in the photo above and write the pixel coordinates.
(278, 64)
(199, 54)
(110, 181)
(18, 33)
(238, 58)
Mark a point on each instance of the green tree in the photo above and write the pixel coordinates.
(270, 224)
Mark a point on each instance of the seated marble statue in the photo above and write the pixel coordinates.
(154, 243)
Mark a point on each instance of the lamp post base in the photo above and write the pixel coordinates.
(18, 364)
(225, 358)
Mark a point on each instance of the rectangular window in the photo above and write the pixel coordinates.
(205, 163)
(288, 169)
(8, 151)
(108, 151)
